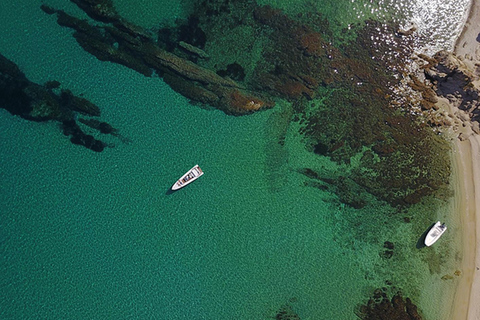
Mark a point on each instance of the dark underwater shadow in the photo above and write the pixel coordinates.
(169, 191)
(421, 241)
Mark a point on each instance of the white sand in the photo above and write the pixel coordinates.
(467, 167)
(474, 303)
(467, 45)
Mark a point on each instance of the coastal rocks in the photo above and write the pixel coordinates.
(35, 102)
(380, 307)
(124, 43)
(456, 81)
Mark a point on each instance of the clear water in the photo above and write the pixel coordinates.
(95, 236)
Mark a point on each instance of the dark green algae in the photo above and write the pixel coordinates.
(340, 90)
(339, 85)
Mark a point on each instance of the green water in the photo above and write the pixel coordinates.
(97, 236)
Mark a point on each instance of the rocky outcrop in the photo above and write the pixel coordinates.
(453, 79)
(35, 102)
(125, 43)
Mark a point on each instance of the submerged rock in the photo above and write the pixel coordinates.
(286, 312)
(341, 90)
(379, 307)
(31, 101)
(77, 136)
(123, 43)
(24, 98)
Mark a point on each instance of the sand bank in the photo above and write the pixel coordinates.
(467, 168)
(467, 44)
(473, 237)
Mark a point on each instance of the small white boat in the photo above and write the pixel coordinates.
(191, 175)
(435, 233)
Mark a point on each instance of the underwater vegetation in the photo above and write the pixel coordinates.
(240, 57)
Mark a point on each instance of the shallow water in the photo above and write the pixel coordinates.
(96, 236)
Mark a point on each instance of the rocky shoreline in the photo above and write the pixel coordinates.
(450, 90)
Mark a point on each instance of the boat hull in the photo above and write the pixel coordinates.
(190, 176)
(435, 233)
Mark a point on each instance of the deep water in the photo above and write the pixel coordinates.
(281, 218)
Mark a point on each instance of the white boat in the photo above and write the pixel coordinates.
(191, 175)
(436, 232)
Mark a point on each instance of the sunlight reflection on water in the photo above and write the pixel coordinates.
(438, 22)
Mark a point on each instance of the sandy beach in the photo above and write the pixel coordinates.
(467, 171)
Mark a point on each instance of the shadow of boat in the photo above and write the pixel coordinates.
(421, 241)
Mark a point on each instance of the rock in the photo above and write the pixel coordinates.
(462, 136)
(286, 313)
(77, 136)
(78, 104)
(462, 115)
(412, 310)
(476, 127)
(101, 10)
(48, 9)
(397, 308)
(34, 102)
(103, 127)
(408, 32)
(388, 245)
(127, 44)
(103, 43)
(233, 71)
(193, 50)
(52, 84)
(387, 254)
(132, 29)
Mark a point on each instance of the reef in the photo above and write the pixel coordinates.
(240, 57)
(380, 307)
(31, 101)
(342, 93)
(120, 41)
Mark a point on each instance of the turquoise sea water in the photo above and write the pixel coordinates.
(96, 236)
